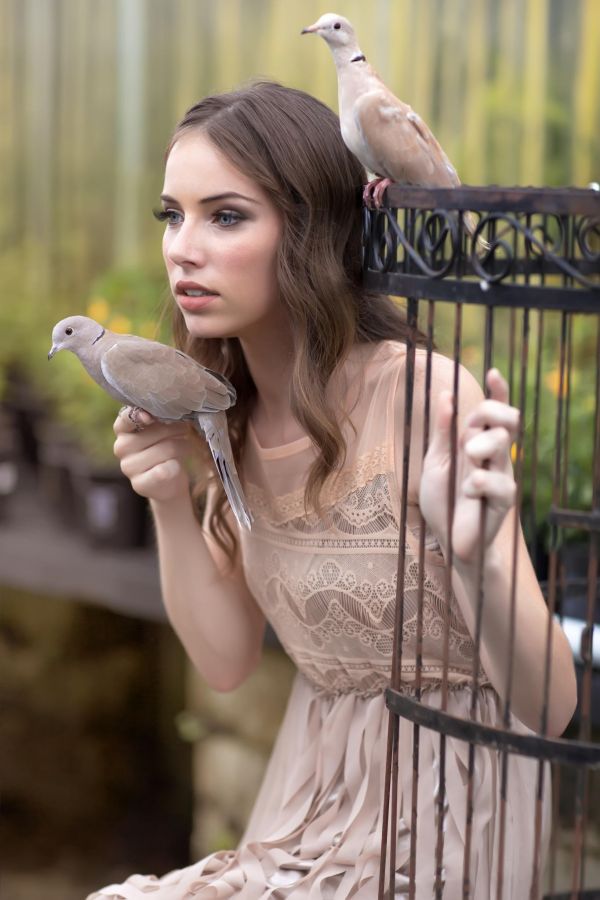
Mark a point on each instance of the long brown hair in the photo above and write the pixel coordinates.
(290, 144)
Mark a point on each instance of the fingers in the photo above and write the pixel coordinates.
(152, 453)
(497, 385)
(491, 446)
(132, 419)
(491, 413)
(137, 462)
(157, 483)
(498, 489)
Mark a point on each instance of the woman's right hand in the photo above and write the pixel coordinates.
(152, 454)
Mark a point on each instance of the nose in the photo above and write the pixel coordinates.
(184, 247)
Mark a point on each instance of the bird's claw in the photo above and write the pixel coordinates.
(373, 192)
(134, 416)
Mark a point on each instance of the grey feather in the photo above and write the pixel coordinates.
(165, 382)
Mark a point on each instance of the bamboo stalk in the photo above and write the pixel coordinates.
(535, 76)
(585, 145)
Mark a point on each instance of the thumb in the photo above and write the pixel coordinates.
(440, 445)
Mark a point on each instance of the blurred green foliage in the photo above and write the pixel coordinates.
(90, 93)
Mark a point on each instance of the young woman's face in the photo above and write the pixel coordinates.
(220, 243)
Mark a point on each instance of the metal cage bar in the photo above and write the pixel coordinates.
(532, 250)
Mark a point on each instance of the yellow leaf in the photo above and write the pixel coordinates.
(98, 309)
(120, 324)
(552, 381)
(147, 329)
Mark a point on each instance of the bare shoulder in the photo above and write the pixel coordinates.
(443, 377)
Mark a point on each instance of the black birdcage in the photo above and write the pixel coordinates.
(510, 278)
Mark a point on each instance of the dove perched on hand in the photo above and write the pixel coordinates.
(165, 382)
(386, 135)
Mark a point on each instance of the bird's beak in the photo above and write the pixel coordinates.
(310, 30)
(52, 351)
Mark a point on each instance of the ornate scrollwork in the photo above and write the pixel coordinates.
(537, 244)
(587, 232)
(508, 246)
(430, 240)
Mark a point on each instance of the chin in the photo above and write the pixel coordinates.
(199, 327)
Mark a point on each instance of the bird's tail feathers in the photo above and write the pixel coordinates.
(214, 428)
(470, 226)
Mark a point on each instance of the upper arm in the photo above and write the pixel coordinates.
(231, 571)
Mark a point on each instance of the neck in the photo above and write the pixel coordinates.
(343, 56)
(269, 357)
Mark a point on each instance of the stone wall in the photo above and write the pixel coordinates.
(94, 780)
(232, 736)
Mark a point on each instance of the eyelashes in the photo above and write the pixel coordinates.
(226, 218)
(166, 215)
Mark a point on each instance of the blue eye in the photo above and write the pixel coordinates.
(227, 217)
(170, 216)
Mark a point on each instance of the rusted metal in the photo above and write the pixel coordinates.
(543, 255)
(531, 745)
(419, 625)
(393, 737)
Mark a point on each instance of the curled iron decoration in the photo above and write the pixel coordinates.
(381, 246)
(435, 233)
(432, 234)
(539, 243)
(587, 234)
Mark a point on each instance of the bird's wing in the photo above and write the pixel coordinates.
(401, 142)
(164, 381)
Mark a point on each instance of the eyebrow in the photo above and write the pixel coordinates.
(214, 198)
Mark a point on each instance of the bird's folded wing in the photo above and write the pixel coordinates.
(401, 141)
(164, 381)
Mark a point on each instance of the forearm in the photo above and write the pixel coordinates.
(212, 612)
(529, 639)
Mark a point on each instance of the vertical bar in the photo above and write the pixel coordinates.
(512, 328)
(581, 794)
(392, 724)
(466, 890)
(513, 597)
(396, 677)
(412, 874)
(441, 791)
(535, 436)
(564, 502)
(387, 833)
(552, 573)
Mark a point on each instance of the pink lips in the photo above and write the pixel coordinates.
(193, 304)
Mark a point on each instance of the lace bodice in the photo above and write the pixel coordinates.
(327, 583)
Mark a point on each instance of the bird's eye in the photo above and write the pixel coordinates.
(69, 331)
(337, 26)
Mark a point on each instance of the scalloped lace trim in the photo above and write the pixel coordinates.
(327, 584)
(286, 507)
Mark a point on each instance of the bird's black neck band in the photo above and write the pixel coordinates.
(360, 57)
(102, 333)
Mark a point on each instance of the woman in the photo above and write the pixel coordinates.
(263, 251)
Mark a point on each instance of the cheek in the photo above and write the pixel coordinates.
(165, 249)
(257, 258)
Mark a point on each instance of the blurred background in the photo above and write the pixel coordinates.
(110, 751)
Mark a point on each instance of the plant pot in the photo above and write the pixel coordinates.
(56, 451)
(9, 469)
(110, 512)
(26, 409)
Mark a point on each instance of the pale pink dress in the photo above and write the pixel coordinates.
(327, 585)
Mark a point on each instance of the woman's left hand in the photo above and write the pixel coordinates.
(483, 469)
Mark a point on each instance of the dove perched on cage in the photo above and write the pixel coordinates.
(165, 382)
(386, 135)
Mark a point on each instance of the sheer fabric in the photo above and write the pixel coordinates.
(327, 584)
